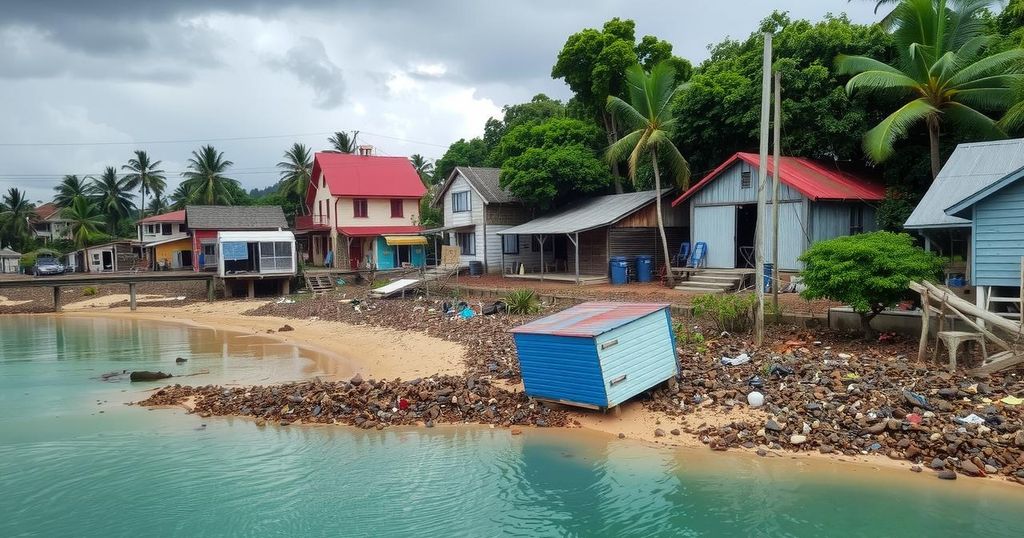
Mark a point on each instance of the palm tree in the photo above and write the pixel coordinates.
(68, 188)
(944, 72)
(341, 141)
(205, 179)
(157, 204)
(181, 197)
(85, 220)
(648, 116)
(423, 167)
(295, 172)
(15, 213)
(113, 197)
(144, 175)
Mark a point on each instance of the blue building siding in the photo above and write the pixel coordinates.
(727, 188)
(998, 225)
(561, 368)
(644, 352)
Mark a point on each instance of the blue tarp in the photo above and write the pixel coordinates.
(235, 250)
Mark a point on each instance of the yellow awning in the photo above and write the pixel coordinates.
(405, 239)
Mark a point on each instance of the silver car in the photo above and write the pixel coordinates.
(49, 266)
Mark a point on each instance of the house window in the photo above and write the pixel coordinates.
(396, 209)
(275, 256)
(460, 202)
(745, 181)
(510, 244)
(209, 249)
(165, 229)
(328, 211)
(359, 208)
(182, 228)
(856, 220)
(150, 229)
(467, 243)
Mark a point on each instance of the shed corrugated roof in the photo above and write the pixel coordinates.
(816, 181)
(586, 215)
(970, 169)
(8, 253)
(222, 217)
(365, 176)
(589, 319)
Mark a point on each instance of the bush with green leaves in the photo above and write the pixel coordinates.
(869, 272)
(732, 312)
(522, 302)
(88, 291)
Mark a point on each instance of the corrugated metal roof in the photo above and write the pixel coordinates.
(589, 319)
(365, 176)
(970, 169)
(815, 180)
(223, 217)
(173, 216)
(8, 253)
(586, 215)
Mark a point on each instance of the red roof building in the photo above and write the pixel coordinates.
(354, 203)
(817, 201)
(172, 216)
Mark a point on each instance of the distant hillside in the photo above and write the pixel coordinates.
(259, 193)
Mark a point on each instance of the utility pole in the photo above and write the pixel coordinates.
(762, 180)
(776, 159)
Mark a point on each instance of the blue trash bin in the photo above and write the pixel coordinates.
(768, 270)
(618, 268)
(643, 268)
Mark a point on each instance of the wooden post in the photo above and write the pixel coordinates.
(56, 299)
(131, 297)
(776, 158)
(942, 327)
(251, 283)
(209, 290)
(922, 348)
(762, 179)
(286, 286)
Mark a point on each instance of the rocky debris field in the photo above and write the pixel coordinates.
(369, 404)
(490, 348)
(865, 399)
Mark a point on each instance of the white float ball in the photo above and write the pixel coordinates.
(755, 399)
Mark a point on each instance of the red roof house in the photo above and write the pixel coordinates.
(817, 201)
(357, 205)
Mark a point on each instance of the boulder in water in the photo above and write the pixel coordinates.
(146, 375)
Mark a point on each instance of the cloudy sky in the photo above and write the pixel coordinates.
(83, 84)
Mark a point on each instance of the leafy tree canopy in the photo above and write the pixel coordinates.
(462, 152)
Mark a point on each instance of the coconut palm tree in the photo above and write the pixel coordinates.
(157, 204)
(205, 179)
(85, 220)
(15, 213)
(944, 72)
(113, 198)
(423, 167)
(295, 171)
(144, 175)
(181, 197)
(70, 187)
(648, 116)
(341, 141)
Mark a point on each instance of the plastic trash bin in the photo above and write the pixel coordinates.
(768, 271)
(618, 268)
(643, 268)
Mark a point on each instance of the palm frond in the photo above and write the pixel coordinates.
(974, 121)
(851, 65)
(884, 81)
(1007, 62)
(879, 141)
(986, 98)
(627, 116)
(678, 167)
(622, 147)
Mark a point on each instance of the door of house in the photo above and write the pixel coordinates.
(716, 226)
(108, 260)
(355, 253)
(186, 258)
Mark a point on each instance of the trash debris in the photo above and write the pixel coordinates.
(742, 359)
(755, 382)
(969, 419)
(285, 300)
(755, 399)
(914, 398)
(1012, 400)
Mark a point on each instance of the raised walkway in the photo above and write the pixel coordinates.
(101, 279)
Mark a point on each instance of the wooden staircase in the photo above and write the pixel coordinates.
(319, 282)
(712, 280)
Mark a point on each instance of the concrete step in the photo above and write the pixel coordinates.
(706, 285)
(700, 290)
(733, 280)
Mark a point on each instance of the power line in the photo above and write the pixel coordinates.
(214, 139)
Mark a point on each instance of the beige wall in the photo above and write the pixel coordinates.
(378, 210)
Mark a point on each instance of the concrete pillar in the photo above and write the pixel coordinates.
(209, 290)
(286, 286)
(131, 296)
(56, 299)
(251, 283)
(228, 291)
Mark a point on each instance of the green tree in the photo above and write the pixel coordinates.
(539, 108)
(462, 152)
(68, 188)
(648, 116)
(85, 221)
(295, 171)
(157, 204)
(181, 197)
(113, 197)
(205, 179)
(870, 272)
(423, 167)
(343, 142)
(146, 176)
(16, 212)
(944, 72)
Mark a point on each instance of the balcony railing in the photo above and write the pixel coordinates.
(311, 222)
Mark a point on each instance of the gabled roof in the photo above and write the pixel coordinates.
(48, 211)
(971, 169)
(221, 217)
(374, 231)
(586, 215)
(589, 319)
(815, 180)
(961, 208)
(365, 176)
(173, 216)
(8, 253)
(485, 181)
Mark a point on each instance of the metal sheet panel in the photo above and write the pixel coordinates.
(561, 368)
(716, 226)
(586, 215)
(589, 319)
(637, 356)
(792, 235)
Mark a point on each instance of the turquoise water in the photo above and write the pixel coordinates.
(68, 469)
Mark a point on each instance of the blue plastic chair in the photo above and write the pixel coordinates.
(699, 257)
(679, 260)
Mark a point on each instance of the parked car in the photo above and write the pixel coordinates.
(48, 266)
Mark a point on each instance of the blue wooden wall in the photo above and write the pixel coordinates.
(998, 245)
(645, 353)
(561, 368)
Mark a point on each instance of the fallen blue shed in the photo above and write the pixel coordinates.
(598, 354)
